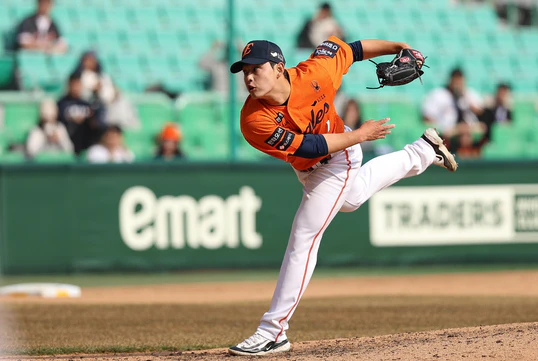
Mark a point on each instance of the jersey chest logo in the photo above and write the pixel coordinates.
(317, 117)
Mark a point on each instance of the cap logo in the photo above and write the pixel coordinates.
(247, 49)
(274, 54)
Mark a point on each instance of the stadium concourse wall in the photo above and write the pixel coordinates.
(157, 217)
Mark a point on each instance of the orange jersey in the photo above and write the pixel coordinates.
(279, 130)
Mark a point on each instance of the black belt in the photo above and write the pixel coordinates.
(318, 164)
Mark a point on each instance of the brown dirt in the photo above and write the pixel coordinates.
(441, 301)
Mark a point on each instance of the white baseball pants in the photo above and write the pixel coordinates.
(340, 185)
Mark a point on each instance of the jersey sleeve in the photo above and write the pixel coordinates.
(266, 136)
(335, 56)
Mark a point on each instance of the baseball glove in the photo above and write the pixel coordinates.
(403, 69)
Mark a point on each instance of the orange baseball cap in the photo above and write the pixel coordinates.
(171, 132)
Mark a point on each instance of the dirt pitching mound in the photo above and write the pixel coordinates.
(500, 342)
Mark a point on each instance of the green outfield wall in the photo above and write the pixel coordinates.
(155, 217)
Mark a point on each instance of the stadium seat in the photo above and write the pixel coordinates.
(12, 158)
(64, 65)
(154, 114)
(19, 119)
(7, 68)
(79, 41)
(525, 114)
(55, 157)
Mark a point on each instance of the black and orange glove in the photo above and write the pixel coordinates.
(403, 69)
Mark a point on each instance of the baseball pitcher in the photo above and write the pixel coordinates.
(289, 114)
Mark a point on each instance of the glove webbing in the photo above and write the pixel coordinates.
(382, 85)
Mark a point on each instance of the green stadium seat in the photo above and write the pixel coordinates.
(87, 18)
(485, 17)
(55, 157)
(511, 150)
(64, 17)
(64, 65)
(109, 40)
(149, 18)
(504, 134)
(19, 119)
(21, 10)
(153, 115)
(143, 151)
(6, 21)
(4, 142)
(79, 41)
(168, 39)
(34, 69)
(504, 42)
(525, 114)
(140, 41)
(7, 68)
(12, 158)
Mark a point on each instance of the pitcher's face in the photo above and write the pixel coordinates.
(259, 79)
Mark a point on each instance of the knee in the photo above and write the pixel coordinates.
(348, 207)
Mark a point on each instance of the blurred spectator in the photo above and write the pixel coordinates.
(319, 28)
(95, 82)
(499, 111)
(352, 114)
(109, 104)
(49, 135)
(77, 116)
(463, 143)
(352, 117)
(110, 149)
(215, 62)
(444, 108)
(97, 86)
(122, 113)
(515, 12)
(39, 32)
(169, 140)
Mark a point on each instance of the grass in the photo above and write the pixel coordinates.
(39, 329)
(94, 280)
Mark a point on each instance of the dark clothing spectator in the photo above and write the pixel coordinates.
(495, 115)
(76, 115)
(518, 12)
(39, 32)
(499, 112)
